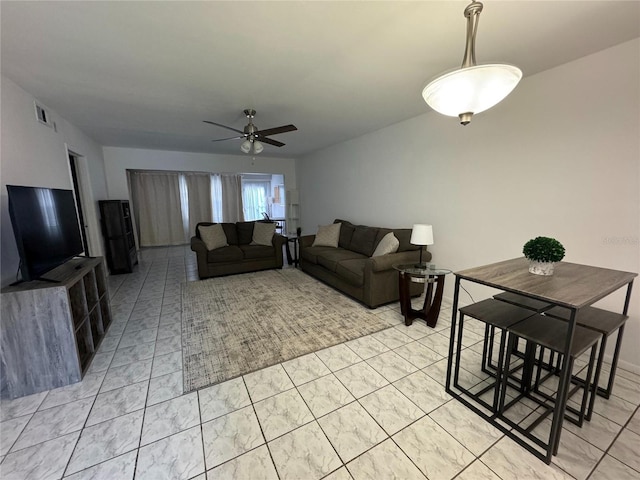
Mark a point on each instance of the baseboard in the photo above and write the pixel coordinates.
(629, 367)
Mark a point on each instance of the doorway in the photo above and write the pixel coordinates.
(73, 164)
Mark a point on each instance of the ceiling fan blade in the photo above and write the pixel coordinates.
(223, 126)
(270, 141)
(230, 138)
(276, 130)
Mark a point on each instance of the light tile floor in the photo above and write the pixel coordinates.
(370, 408)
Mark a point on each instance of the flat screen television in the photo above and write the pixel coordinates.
(45, 225)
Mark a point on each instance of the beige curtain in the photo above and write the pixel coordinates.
(216, 197)
(199, 199)
(232, 198)
(157, 207)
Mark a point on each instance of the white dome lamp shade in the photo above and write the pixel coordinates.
(246, 146)
(257, 147)
(251, 146)
(472, 88)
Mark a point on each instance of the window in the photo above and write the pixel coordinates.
(168, 205)
(255, 194)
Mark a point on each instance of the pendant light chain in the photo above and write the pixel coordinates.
(472, 12)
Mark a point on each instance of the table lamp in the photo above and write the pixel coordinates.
(421, 235)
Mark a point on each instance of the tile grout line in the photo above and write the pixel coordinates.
(166, 267)
(606, 452)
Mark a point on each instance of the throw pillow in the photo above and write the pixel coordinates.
(327, 236)
(263, 233)
(213, 236)
(388, 244)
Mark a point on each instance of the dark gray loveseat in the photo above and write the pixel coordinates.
(351, 269)
(239, 256)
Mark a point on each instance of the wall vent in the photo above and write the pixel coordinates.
(43, 115)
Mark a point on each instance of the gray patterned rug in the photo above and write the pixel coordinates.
(238, 324)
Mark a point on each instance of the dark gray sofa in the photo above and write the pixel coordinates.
(351, 269)
(239, 256)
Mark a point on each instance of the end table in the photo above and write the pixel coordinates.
(429, 274)
(292, 260)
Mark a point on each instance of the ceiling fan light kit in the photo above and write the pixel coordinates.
(471, 88)
(251, 146)
(254, 138)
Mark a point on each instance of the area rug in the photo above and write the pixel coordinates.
(238, 324)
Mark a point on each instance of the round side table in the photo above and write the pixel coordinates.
(429, 274)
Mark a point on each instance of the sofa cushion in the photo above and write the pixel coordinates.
(263, 233)
(213, 236)
(352, 271)
(231, 233)
(388, 244)
(363, 240)
(257, 251)
(327, 236)
(331, 258)
(245, 232)
(346, 232)
(310, 254)
(231, 253)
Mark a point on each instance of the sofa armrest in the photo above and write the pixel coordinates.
(306, 240)
(198, 246)
(386, 262)
(278, 240)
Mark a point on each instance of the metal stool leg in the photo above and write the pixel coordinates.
(487, 348)
(587, 388)
(614, 365)
(458, 350)
(501, 371)
(505, 372)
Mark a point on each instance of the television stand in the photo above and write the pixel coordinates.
(51, 328)
(50, 280)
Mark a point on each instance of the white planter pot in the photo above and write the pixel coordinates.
(541, 268)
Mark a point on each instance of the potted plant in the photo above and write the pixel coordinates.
(543, 253)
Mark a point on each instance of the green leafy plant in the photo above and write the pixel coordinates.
(543, 249)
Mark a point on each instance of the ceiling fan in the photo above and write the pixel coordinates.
(254, 138)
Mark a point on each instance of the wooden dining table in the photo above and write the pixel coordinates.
(572, 286)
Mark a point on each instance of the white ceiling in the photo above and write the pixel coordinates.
(145, 74)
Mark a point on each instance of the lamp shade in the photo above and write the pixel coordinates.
(251, 146)
(422, 234)
(472, 89)
(246, 146)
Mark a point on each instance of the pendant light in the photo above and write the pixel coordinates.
(471, 88)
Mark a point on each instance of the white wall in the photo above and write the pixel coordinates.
(34, 154)
(559, 157)
(118, 160)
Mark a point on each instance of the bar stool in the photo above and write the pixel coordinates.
(494, 314)
(529, 303)
(605, 323)
(538, 306)
(551, 333)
